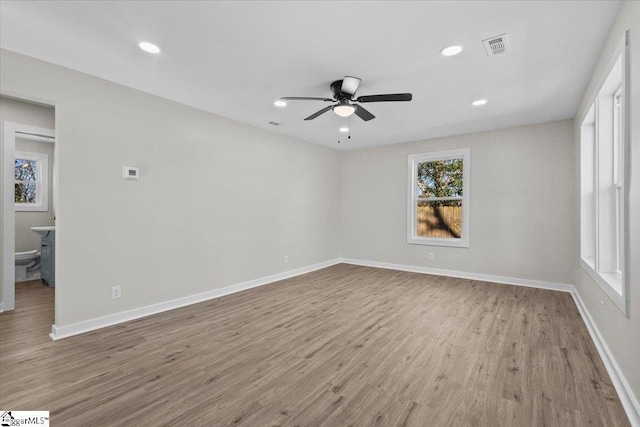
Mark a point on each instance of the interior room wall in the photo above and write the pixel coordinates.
(521, 210)
(217, 203)
(27, 240)
(621, 333)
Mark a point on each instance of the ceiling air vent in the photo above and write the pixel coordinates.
(496, 45)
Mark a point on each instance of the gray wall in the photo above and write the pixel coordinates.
(218, 202)
(621, 333)
(15, 111)
(522, 213)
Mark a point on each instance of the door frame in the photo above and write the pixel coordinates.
(11, 132)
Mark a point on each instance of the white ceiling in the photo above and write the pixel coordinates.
(235, 58)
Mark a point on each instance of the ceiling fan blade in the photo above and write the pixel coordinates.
(317, 113)
(350, 85)
(305, 98)
(385, 98)
(363, 113)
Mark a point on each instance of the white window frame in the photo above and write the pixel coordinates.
(412, 198)
(604, 172)
(42, 182)
(618, 176)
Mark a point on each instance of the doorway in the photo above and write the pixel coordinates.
(12, 132)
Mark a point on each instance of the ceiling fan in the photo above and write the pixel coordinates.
(344, 92)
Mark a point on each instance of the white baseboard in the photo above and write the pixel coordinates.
(627, 398)
(125, 316)
(464, 275)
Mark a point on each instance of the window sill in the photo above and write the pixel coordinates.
(459, 243)
(590, 262)
(30, 208)
(610, 283)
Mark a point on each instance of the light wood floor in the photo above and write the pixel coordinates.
(346, 345)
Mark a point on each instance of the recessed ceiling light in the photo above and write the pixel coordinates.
(451, 50)
(344, 129)
(280, 103)
(149, 47)
(479, 102)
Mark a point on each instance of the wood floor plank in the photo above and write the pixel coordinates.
(346, 345)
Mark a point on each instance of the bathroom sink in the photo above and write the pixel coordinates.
(42, 231)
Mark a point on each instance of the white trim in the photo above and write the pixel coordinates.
(8, 208)
(464, 275)
(616, 288)
(625, 394)
(412, 162)
(614, 296)
(137, 313)
(35, 137)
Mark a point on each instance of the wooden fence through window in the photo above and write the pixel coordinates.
(439, 221)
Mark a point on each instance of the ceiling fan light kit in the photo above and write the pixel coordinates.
(344, 110)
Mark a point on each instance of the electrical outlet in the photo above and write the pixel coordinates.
(601, 307)
(116, 292)
(430, 256)
(286, 259)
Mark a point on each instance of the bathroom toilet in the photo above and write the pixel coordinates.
(27, 265)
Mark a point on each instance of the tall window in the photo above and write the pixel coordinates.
(438, 207)
(604, 139)
(31, 184)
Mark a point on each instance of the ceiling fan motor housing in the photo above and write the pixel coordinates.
(336, 89)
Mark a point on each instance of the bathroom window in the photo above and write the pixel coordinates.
(31, 185)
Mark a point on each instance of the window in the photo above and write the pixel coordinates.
(604, 182)
(31, 185)
(438, 201)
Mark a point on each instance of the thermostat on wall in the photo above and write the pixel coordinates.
(130, 173)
